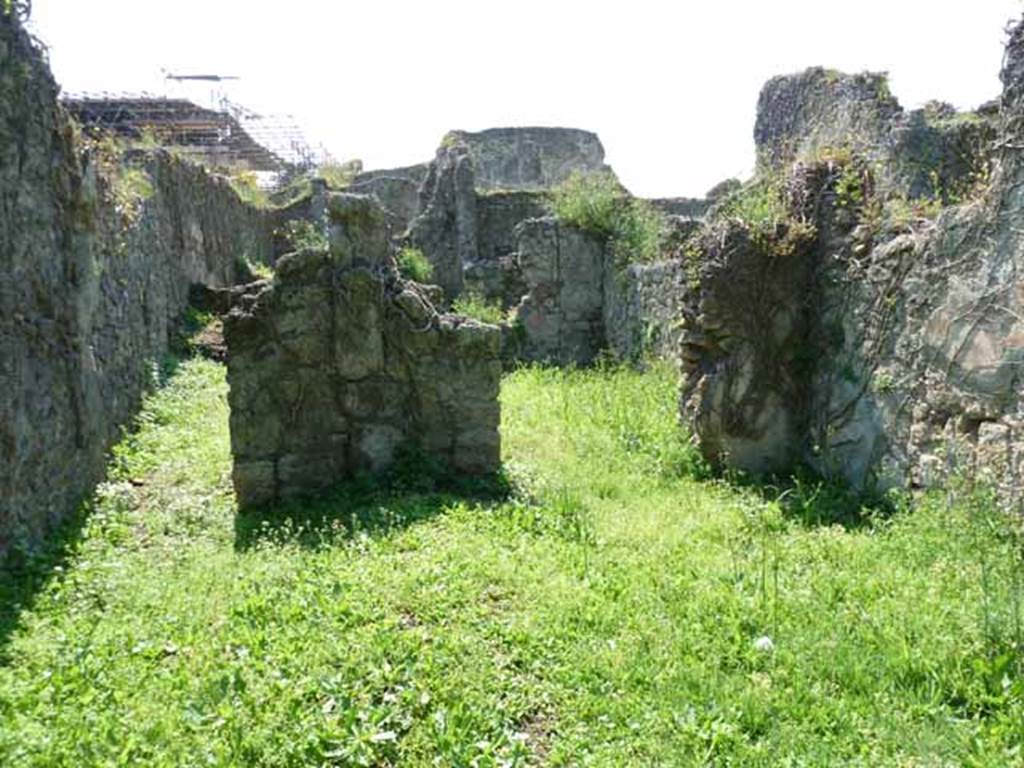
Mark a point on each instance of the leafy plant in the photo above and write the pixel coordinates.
(247, 187)
(759, 205)
(479, 307)
(303, 235)
(128, 185)
(414, 265)
(589, 201)
(597, 203)
(340, 175)
(258, 269)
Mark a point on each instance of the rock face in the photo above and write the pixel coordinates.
(96, 261)
(874, 351)
(465, 221)
(338, 366)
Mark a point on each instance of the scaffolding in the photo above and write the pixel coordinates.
(229, 136)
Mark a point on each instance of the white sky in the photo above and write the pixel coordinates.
(669, 86)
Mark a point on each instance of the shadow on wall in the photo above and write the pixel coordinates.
(417, 488)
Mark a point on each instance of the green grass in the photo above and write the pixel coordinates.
(607, 613)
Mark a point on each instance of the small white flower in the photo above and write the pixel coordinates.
(764, 644)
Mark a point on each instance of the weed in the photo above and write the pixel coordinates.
(597, 203)
(479, 308)
(247, 187)
(339, 175)
(303, 235)
(414, 265)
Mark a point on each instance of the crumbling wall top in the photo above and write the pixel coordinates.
(529, 158)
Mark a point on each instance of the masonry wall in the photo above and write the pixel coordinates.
(496, 274)
(337, 366)
(95, 266)
(875, 350)
(643, 307)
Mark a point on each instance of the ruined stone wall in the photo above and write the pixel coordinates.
(468, 202)
(821, 114)
(96, 261)
(578, 303)
(337, 366)
(397, 190)
(874, 347)
(561, 315)
(643, 309)
(496, 274)
(798, 115)
(529, 158)
(446, 228)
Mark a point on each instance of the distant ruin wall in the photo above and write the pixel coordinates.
(579, 303)
(643, 308)
(337, 366)
(95, 266)
(397, 190)
(475, 187)
(529, 158)
(561, 314)
(496, 274)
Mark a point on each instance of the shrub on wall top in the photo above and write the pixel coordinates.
(597, 203)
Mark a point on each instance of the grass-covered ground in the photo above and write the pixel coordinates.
(613, 611)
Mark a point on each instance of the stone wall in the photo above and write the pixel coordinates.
(643, 309)
(798, 115)
(496, 274)
(561, 315)
(528, 158)
(821, 114)
(446, 228)
(96, 260)
(578, 303)
(876, 348)
(337, 366)
(468, 202)
(397, 190)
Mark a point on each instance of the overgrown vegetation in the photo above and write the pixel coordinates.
(127, 185)
(597, 203)
(760, 206)
(414, 265)
(257, 269)
(480, 308)
(612, 611)
(303, 235)
(339, 175)
(247, 187)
